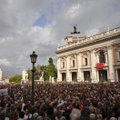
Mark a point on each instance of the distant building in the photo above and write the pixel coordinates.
(90, 59)
(1, 77)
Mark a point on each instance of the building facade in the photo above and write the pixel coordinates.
(90, 59)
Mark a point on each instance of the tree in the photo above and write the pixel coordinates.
(51, 69)
(16, 78)
(44, 70)
(50, 61)
(48, 70)
(38, 72)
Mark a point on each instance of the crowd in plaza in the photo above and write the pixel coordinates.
(61, 102)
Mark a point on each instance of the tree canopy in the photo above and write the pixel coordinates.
(16, 78)
(48, 70)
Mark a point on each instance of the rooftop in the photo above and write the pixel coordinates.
(76, 39)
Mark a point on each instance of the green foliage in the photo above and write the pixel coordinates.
(50, 61)
(51, 69)
(37, 72)
(44, 70)
(16, 79)
(48, 70)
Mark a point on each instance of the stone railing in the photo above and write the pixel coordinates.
(93, 37)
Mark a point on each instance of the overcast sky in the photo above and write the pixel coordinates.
(41, 25)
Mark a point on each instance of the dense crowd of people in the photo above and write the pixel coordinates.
(61, 102)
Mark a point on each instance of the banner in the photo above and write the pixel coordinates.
(100, 65)
(4, 91)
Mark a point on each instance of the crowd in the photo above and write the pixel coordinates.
(61, 102)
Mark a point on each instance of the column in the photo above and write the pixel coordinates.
(110, 63)
(82, 76)
(59, 76)
(116, 75)
(69, 78)
(79, 74)
(94, 77)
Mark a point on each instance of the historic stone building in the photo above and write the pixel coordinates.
(95, 58)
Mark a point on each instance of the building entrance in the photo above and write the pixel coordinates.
(63, 76)
(118, 74)
(74, 76)
(103, 75)
(86, 75)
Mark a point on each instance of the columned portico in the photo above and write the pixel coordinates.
(92, 59)
(59, 76)
(69, 78)
(93, 66)
(116, 75)
(110, 64)
(79, 75)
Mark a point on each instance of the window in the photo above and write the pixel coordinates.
(73, 63)
(102, 57)
(118, 55)
(63, 65)
(86, 61)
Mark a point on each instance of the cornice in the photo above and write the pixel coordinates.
(89, 43)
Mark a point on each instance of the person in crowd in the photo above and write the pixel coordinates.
(61, 101)
(21, 116)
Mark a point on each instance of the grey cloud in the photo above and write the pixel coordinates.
(19, 38)
(93, 14)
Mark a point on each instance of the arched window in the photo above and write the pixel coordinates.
(102, 56)
(86, 61)
(63, 65)
(73, 63)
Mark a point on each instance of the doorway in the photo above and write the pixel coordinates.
(86, 75)
(74, 76)
(103, 75)
(63, 76)
(118, 74)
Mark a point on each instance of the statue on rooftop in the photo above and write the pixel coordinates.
(75, 29)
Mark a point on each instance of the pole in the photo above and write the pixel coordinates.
(33, 84)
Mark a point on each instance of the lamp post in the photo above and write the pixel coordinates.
(33, 57)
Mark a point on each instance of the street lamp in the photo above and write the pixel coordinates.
(33, 57)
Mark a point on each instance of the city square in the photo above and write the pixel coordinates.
(60, 60)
